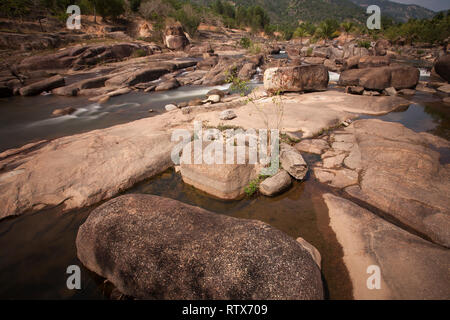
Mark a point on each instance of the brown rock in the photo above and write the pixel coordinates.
(298, 78)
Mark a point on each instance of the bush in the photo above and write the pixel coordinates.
(110, 8)
(245, 43)
(364, 44)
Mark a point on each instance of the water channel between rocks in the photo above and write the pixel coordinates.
(37, 248)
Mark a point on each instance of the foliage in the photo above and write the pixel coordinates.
(327, 29)
(252, 187)
(245, 43)
(364, 44)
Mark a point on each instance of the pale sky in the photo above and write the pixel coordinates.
(436, 5)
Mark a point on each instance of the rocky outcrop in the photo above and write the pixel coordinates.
(399, 77)
(224, 181)
(174, 38)
(402, 173)
(81, 56)
(296, 79)
(155, 248)
(411, 268)
(381, 47)
(85, 168)
(442, 67)
(41, 86)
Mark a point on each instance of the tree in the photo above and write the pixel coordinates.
(327, 29)
(110, 8)
(347, 27)
(301, 33)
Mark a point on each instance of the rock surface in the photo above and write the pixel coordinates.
(296, 79)
(275, 184)
(405, 174)
(81, 170)
(292, 161)
(442, 67)
(155, 248)
(41, 86)
(411, 268)
(224, 181)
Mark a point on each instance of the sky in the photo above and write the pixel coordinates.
(436, 5)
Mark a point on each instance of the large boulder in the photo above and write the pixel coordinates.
(136, 77)
(373, 61)
(174, 38)
(156, 248)
(381, 47)
(224, 181)
(276, 184)
(296, 79)
(442, 67)
(397, 76)
(41, 86)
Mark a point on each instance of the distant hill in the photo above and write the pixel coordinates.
(305, 10)
(398, 11)
(316, 10)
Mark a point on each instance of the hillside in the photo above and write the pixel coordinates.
(283, 11)
(400, 12)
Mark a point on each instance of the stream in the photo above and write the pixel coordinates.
(37, 248)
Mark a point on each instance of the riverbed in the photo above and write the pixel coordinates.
(38, 248)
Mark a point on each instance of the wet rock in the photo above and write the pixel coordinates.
(247, 71)
(168, 85)
(136, 77)
(404, 175)
(292, 161)
(41, 86)
(175, 38)
(411, 268)
(171, 107)
(275, 184)
(298, 78)
(5, 91)
(444, 89)
(64, 111)
(316, 146)
(442, 67)
(135, 242)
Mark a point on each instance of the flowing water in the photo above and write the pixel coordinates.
(38, 248)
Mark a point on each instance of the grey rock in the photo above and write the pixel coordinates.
(155, 248)
(293, 162)
(276, 184)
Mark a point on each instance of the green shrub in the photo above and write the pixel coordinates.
(245, 43)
